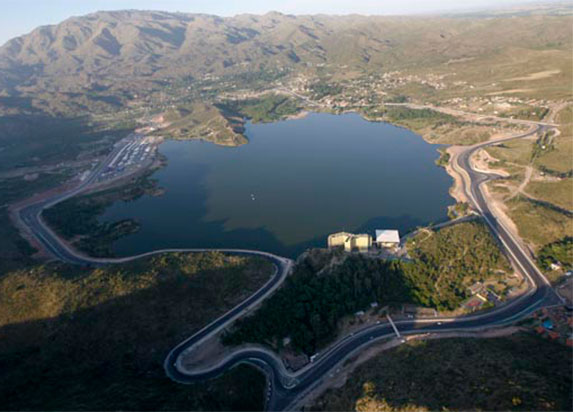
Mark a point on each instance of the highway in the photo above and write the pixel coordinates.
(286, 387)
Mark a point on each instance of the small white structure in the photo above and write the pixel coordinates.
(387, 238)
(555, 266)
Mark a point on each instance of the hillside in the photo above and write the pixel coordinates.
(96, 339)
(105, 60)
(520, 372)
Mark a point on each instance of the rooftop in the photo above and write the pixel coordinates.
(387, 236)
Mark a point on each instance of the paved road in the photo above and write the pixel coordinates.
(31, 217)
(286, 387)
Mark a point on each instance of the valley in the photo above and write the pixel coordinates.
(172, 179)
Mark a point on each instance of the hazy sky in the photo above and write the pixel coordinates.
(21, 16)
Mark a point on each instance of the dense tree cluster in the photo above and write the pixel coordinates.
(446, 262)
(403, 113)
(265, 109)
(310, 305)
(326, 287)
(322, 89)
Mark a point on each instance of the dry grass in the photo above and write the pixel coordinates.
(537, 224)
(203, 121)
(516, 152)
(559, 193)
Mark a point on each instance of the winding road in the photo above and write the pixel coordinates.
(286, 387)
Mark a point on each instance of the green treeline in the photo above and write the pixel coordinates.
(309, 306)
(268, 108)
(444, 158)
(325, 287)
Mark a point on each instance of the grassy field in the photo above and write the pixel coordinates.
(515, 151)
(538, 224)
(438, 127)
(540, 214)
(95, 339)
(558, 159)
(268, 108)
(559, 193)
(521, 372)
(565, 119)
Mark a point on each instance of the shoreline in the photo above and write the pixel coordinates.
(454, 190)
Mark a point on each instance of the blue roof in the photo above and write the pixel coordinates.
(548, 324)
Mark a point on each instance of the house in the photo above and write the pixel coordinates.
(555, 266)
(476, 288)
(387, 238)
(350, 241)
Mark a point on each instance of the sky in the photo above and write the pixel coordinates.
(18, 17)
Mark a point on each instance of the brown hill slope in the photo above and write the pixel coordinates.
(88, 52)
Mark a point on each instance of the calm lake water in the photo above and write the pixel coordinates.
(294, 183)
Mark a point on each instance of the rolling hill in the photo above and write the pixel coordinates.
(114, 53)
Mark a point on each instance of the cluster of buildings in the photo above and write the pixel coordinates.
(350, 242)
(132, 155)
(554, 323)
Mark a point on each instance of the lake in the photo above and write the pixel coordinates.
(293, 184)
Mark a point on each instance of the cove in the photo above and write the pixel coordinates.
(293, 184)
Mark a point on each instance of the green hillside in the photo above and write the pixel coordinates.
(95, 339)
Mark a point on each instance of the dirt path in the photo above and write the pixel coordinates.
(523, 184)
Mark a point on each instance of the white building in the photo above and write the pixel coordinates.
(387, 238)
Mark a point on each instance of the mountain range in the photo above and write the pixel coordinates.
(122, 49)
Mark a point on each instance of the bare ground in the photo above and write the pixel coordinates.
(456, 191)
